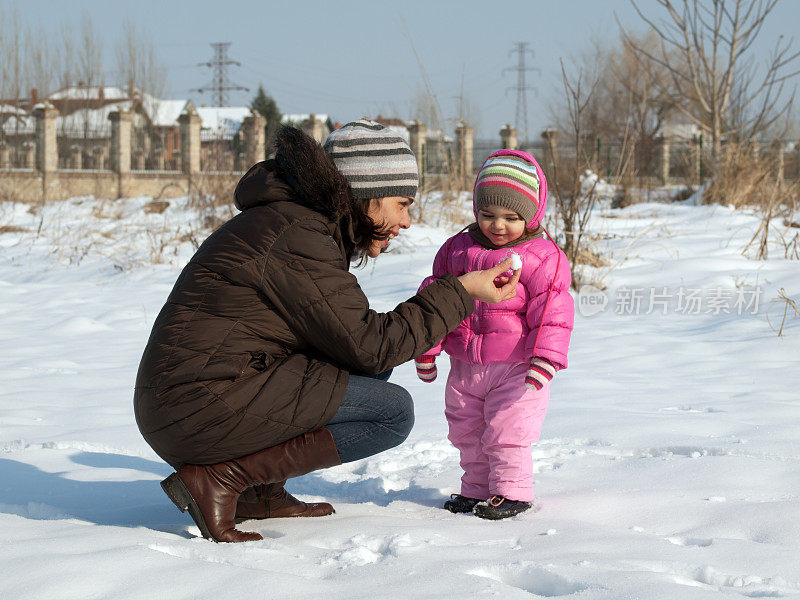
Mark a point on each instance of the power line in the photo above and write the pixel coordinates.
(521, 117)
(220, 83)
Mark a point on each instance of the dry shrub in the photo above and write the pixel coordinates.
(788, 303)
(12, 229)
(747, 179)
(156, 206)
(743, 178)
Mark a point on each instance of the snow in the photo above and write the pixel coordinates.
(83, 92)
(17, 125)
(222, 121)
(163, 113)
(91, 122)
(297, 118)
(667, 468)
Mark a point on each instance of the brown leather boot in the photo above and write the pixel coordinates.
(273, 501)
(210, 492)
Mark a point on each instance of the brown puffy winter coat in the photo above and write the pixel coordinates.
(257, 338)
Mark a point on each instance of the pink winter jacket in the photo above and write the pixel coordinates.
(518, 329)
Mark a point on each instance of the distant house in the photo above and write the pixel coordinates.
(397, 125)
(164, 118)
(221, 122)
(317, 125)
(680, 128)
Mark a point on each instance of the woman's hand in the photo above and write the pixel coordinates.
(481, 284)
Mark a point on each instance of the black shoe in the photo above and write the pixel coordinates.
(499, 507)
(460, 504)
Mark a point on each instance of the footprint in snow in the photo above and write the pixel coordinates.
(530, 578)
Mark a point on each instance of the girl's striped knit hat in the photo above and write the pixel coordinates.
(512, 179)
(375, 160)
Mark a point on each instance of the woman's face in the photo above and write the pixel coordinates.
(391, 213)
(500, 225)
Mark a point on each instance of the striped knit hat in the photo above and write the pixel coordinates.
(376, 161)
(512, 179)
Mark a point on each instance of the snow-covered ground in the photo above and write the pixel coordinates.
(669, 465)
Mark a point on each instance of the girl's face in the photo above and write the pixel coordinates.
(500, 225)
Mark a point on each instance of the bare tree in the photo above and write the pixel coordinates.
(89, 54)
(12, 65)
(67, 69)
(575, 195)
(706, 49)
(41, 60)
(138, 66)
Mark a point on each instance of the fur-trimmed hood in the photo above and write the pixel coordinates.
(301, 172)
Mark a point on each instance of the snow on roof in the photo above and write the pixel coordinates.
(7, 109)
(82, 92)
(163, 113)
(436, 135)
(680, 130)
(90, 123)
(299, 118)
(400, 130)
(19, 125)
(221, 121)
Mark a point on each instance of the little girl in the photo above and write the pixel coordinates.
(503, 356)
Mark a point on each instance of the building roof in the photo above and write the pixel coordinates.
(298, 118)
(8, 109)
(221, 122)
(163, 113)
(19, 125)
(92, 123)
(93, 92)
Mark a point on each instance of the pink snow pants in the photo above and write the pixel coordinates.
(493, 419)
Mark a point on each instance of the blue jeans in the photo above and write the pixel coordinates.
(375, 415)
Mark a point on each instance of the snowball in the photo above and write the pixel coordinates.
(516, 261)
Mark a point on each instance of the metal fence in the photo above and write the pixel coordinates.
(17, 147)
(83, 148)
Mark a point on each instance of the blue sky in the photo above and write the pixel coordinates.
(352, 58)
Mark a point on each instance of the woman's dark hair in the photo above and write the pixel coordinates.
(294, 149)
(365, 231)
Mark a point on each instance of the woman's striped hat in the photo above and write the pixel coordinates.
(512, 179)
(375, 160)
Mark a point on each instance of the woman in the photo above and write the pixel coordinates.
(266, 361)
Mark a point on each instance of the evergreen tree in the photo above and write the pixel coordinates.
(266, 107)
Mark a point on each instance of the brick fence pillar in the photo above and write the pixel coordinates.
(121, 141)
(254, 139)
(46, 147)
(416, 134)
(313, 127)
(121, 126)
(663, 160)
(508, 137)
(189, 123)
(465, 144)
(550, 137)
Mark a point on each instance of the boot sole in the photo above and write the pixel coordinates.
(498, 515)
(182, 498)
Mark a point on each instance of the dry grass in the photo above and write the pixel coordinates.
(788, 304)
(156, 206)
(746, 179)
(12, 229)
